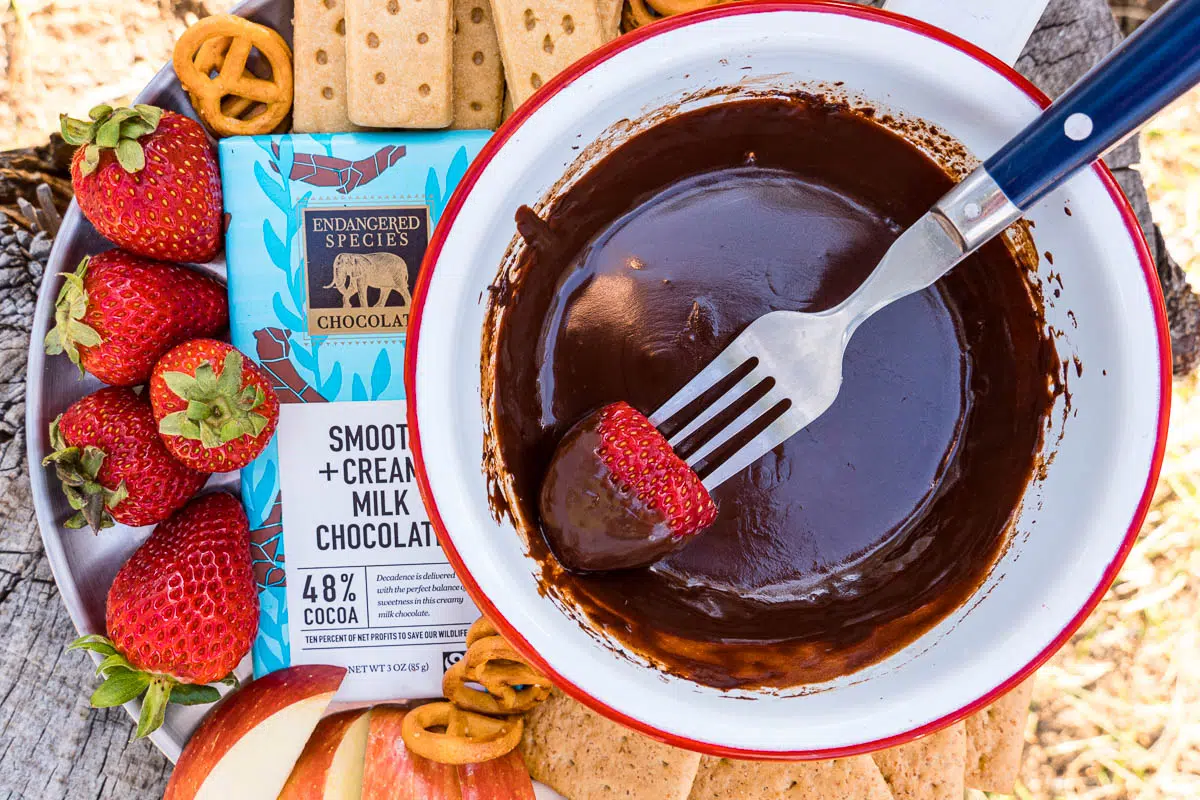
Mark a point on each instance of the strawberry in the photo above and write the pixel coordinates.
(640, 460)
(148, 180)
(181, 613)
(118, 313)
(616, 496)
(216, 411)
(113, 465)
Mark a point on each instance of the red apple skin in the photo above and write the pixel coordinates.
(504, 778)
(307, 781)
(240, 712)
(394, 773)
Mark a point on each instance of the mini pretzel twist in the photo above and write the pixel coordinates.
(510, 684)
(480, 629)
(500, 681)
(464, 737)
(223, 43)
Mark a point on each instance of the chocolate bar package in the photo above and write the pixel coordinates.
(325, 238)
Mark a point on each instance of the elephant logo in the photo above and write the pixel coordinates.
(359, 266)
(354, 274)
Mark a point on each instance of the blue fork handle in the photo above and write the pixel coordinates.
(1155, 65)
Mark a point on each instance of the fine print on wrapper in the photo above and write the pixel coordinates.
(325, 239)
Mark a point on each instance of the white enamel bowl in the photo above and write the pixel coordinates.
(1078, 522)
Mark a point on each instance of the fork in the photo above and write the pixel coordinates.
(785, 369)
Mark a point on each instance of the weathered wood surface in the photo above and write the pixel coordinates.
(52, 745)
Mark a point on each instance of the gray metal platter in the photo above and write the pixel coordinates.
(84, 564)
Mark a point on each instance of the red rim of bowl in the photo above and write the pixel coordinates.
(560, 82)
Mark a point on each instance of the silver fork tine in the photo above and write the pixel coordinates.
(730, 359)
(761, 406)
(767, 440)
(729, 397)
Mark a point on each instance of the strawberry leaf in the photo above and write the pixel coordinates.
(151, 114)
(100, 112)
(112, 662)
(75, 132)
(53, 344)
(190, 694)
(91, 460)
(109, 133)
(121, 686)
(69, 332)
(154, 706)
(91, 159)
(258, 423)
(130, 155)
(210, 438)
(198, 411)
(77, 470)
(206, 380)
(231, 375)
(95, 643)
(178, 424)
(135, 128)
(181, 385)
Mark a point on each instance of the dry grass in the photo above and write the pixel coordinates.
(69, 55)
(1118, 710)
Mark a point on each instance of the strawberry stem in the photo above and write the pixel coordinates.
(123, 682)
(78, 469)
(218, 410)
(69, 332)
(116, 129)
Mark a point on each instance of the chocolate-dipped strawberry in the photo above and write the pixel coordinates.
(617, 497)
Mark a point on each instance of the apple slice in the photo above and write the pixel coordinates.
(246, 747)
(391, 772)
(331, 766)
(504, 778)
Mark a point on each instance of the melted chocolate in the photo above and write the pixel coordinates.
(864, 530)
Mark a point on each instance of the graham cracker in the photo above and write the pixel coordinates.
(319, 50)
(399, 62)
(538, 38)
(584, 756)
(995, 740)
(508, 105)
(931, 768)
(478, 73)
(854, 778)
(610, 17)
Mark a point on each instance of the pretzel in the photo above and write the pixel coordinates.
(491, 648)
(480, 629)
(210, 57)
(465, 738)
(643, 12)
(499, 681)
(195, 58)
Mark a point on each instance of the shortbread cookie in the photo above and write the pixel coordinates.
(538, 38)
(853, 778)
(996, 739)
(398, 63)
(478, 73)
(320, 54)
(930, 768)
(584, 756)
